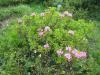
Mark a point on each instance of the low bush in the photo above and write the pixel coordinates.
(48, 43)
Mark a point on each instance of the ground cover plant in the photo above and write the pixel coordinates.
(48, 43)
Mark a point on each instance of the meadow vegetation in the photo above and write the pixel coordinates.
(50, 37)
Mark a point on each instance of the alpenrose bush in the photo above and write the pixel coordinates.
(54, 43)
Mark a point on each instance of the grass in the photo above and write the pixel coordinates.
(17, 11)
(12, 12)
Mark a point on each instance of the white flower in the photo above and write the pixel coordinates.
(42, 14)
(35, 51)
(40, 55)
(71, 32)
(66, 13)
(47, 28)
(68, 48)
(59, 52)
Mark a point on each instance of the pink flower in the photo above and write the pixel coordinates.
(83, 54)
(42, 14)
(68, 48)
(71, 32)
(46, 45)
(47, 28)
(79, 54)
(68, 56)
(74, 51)
(40, 33)
(59, 52)
(33, 14)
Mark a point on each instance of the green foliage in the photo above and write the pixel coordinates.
(22, 50)
(12, 2)
(20, 10)
(87, 9)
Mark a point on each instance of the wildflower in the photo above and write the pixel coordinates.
(46, 45)
(59, 52)
(68, 56)
(40, 33)
(42, 14)
(47, 28)
(33, 14)
(71, 32)
(68, 48)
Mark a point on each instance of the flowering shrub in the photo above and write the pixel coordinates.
(57, 40)
(50, 43)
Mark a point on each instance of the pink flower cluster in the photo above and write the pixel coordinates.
(76, 53)
(71, 52)
(79, 54)
(65, 13)
(41, 14)
(42, 31)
